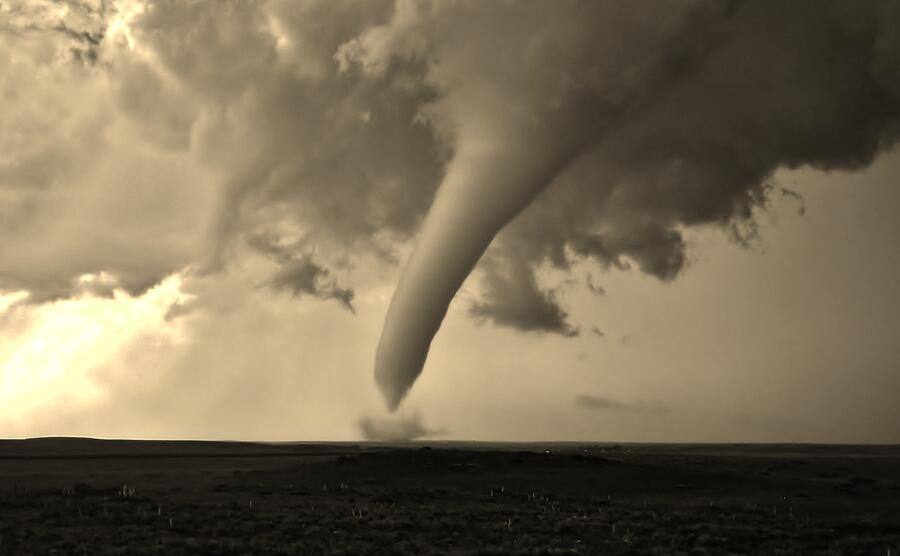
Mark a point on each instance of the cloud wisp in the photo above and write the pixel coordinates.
(304, 277)
(600, 403)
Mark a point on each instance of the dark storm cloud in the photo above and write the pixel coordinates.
(299, 273)
(303, 276)
(245, 90)
(598, 403)
(514, 129)
(702, 153)
(511, 297)
(690, 137)
(343, 159)
(594, 130)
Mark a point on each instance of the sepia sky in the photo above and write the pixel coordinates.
(689, 214)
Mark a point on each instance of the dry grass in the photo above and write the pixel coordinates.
(453, 502)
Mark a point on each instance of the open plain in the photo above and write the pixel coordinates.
(86, 496)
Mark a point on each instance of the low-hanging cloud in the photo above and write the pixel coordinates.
(600, 403)
(304, 277)
(511, 297)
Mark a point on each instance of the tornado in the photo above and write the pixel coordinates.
(486, 185)
(513, 121)
(686, 114)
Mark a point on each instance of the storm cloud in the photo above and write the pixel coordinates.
(585, 131)
(511, 297)
(304, 277)
(661, 123)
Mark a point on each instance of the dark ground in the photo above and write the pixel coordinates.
(80, 496)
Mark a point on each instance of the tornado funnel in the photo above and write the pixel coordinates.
(484, 188)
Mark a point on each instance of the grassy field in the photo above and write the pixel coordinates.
(81, 496)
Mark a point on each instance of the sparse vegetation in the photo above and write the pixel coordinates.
(450, 502)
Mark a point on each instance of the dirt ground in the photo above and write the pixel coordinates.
(81, 496)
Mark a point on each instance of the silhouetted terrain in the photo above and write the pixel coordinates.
(83, 496)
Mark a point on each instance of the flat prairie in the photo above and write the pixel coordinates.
(87, 497)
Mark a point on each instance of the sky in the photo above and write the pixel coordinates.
(338, 220)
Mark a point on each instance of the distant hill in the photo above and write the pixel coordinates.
(75, 447)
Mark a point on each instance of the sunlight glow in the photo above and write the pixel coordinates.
(8, 299)
(54, 355)
(120, 24)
